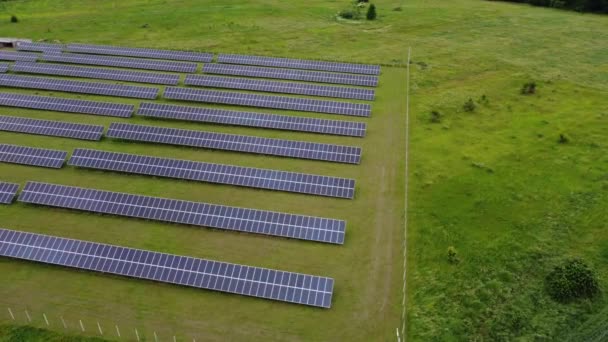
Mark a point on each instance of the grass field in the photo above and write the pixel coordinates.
(494, 183)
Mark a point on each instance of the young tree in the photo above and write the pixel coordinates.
(371, 12)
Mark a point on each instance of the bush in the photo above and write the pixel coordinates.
(14, 19)
(563, 138)
(453, 255)
(469, 106)
(371, 12)
(436, 116)
(528, 88)
(571, 281)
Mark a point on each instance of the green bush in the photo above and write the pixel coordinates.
(469, 106)
(528, 88)
(453, 255)
(14, 19)
(571, 281)
(563, 138)
(436, 116)
(371, 12)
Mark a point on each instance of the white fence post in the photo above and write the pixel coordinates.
(11, 313)
(81, 325)
(117, 331)
(45, 319)
(28, 316)
(65, 326)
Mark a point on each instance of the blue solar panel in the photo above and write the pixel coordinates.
(141, 52)
(8, 192)
(273, 121)
(19, 56)
(266, 101)
(32, 156)
(214, 173)
(121, 62)
(167, 268)
(3, 67)
(40, 47)
(190, 213)
(66, 105)
(239, 143)
(51, 128)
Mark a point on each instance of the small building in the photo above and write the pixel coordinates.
(12, 42)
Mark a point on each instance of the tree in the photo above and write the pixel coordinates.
(572, 280)
(371, 12)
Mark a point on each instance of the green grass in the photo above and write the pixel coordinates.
(495, 184)
(11, 333)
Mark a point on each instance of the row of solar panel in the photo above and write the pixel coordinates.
(309, 228)
(167, 268)
(200, 114)
(182, 169)
(202, 57)
(171, 79)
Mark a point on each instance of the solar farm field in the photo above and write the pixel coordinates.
(494, 183)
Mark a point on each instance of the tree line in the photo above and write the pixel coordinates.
(596, 6)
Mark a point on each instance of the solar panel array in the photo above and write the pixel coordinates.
(66, 105)
(266, 101)
(3, 67)
(32, 156)
(18, 56)
(291, 74)
(229, 117)
(167, 268)
(40, 47)
(121, 62)
(190, 213)
(300, 64)
(8, 192)
(98, 73)
(80, 87)
(51, 128)
(141, 52)
(280, 87)
(214, 173)
(239, 143)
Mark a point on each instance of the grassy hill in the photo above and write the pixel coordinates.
(494, 183)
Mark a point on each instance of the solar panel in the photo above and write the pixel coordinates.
(214, 173)
(266, 101)
(51, 128)
(66, 105)
(239, 143)
(229, 117)
(291, 74)
(280, 87)
(190, 213)
(140, 52)
(32, 156)
(40, 47)
(251, 281)
(98, 73)
(80, 87)
(8, 192)
(18, 56)
(366, 69)
(121, 62)
(3, 67)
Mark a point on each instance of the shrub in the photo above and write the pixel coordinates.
(14, 19)
(469, 106)
(572, 280)
(563, 138)
(436, 116)
(528, 88)
(453, 255)
(371, 12)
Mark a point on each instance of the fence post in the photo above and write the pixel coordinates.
(11, 313)
(81, 325)
(117, 331)
(45, 319)
(65, 326)
(28, 316)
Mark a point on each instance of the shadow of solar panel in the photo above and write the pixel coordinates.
(250, 119)
(66, 105)
(40, 47)
(8, 192)
(141, 52)
(98, 73)
(19, 56)
(122, 62)
(32, 156)
(300, 64)
(280, 87)
(51, 128)
(80, 87)
(264, 283)
(215, 173)
(266, 101)
(291, 74)
(239, 143)
(184, 212)
(3, 67)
